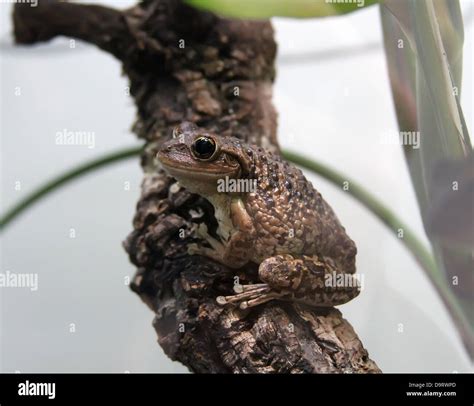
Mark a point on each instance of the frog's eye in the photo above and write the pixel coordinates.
(204, 147)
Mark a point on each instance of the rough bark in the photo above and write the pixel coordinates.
(185, 64)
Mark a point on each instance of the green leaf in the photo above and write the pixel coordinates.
(260, 9)
(423, 44)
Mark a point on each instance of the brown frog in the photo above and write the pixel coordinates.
(267, 213)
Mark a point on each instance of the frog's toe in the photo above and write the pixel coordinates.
(249, 295)
(264, 298)
(245, 292)
(238, 288)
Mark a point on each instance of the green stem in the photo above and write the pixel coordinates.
(61, 180)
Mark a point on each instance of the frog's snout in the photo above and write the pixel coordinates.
(164, 152)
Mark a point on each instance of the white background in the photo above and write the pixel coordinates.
(332, 108)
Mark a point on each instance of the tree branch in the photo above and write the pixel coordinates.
(186, 64)
(102, 26)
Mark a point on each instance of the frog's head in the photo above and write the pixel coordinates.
(198, 159)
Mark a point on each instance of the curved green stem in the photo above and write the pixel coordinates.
(61, 180)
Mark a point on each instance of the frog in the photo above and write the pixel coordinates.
(275, 219)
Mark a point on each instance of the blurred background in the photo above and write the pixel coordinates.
(335, 105)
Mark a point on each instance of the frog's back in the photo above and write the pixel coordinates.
(290, 216)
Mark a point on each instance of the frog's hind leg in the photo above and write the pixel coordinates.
(307, 279)
(313, 280)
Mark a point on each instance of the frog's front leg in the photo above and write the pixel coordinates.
(307, 279)
(236, 251)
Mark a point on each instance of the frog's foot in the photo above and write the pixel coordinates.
(250, 295)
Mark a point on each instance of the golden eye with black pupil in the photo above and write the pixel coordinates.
(204, 147)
